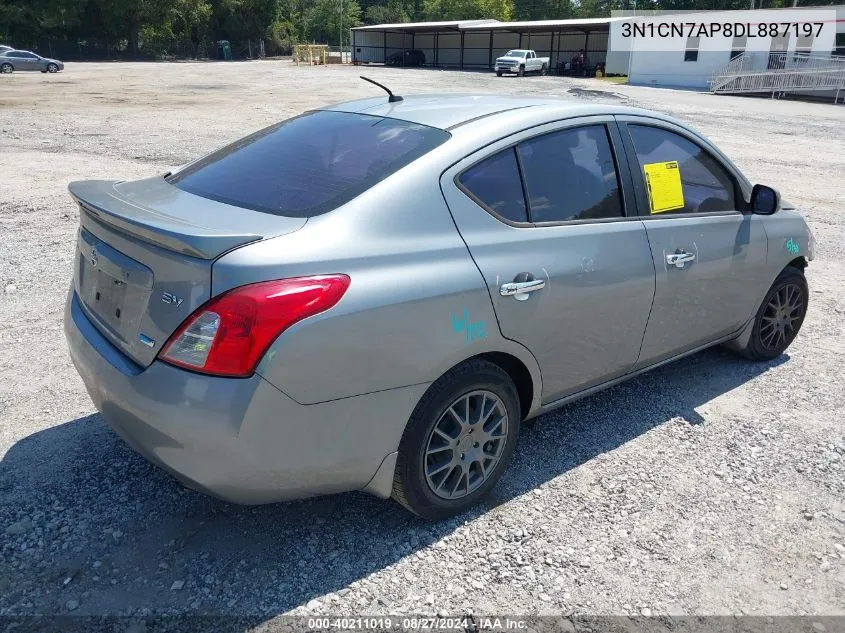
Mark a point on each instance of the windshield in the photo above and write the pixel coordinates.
(515, 54)
(310, 164)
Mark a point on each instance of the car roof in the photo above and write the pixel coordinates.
(447, 111)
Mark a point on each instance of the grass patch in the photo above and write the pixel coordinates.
(614, 80)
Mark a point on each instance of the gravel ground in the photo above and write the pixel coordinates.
(712, 486)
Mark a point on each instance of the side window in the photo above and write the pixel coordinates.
(705, 184)
(571, 175)
(495, 184)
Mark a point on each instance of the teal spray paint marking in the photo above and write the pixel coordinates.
(792, 246)
(472, 331)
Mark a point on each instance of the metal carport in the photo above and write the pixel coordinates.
(476, 43)
(440, 41)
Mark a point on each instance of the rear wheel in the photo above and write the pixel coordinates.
(6, 68)
(52, 68)
(780, 316)
(458, 441)
(543, 70)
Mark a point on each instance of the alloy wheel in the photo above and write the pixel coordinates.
(465, 444)
(784, 310)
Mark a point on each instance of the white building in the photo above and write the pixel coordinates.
(682, 60)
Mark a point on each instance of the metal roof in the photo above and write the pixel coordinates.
(424, 26)
(495, 25)
(547, 25)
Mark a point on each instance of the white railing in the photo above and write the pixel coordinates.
(779, 73)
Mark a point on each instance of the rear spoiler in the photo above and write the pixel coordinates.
(100, 200)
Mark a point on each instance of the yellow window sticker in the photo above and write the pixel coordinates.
(663, 181)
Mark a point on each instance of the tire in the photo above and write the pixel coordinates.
(471, 470)
(498, 73)
(543, 70)
(7, 68)
(521, 72)
(52, 68)
(774, 329)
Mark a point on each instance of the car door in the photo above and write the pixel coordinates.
(709, 252)
(24, 61)
(570, 274)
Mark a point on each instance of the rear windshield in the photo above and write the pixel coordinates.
(310, 164)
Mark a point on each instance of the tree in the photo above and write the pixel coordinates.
(543, 9)
(435, 10)
(323, 21)
(393, 12)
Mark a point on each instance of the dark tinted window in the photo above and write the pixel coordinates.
(706, 185)
(570, 175)
(495, 183)
(691, 54)
(310, 164)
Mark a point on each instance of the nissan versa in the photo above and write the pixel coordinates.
(374, 295)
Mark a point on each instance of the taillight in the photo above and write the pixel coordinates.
(230, 333)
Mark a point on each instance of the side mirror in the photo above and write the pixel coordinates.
(764, 200)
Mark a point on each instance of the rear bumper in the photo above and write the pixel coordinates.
(241, 440)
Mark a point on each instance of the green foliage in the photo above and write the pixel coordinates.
(467, 9)
(323, 21)
(392, 12)
(159, 28)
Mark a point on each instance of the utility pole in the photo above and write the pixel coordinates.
(340, 31)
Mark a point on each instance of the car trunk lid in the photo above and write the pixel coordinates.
(144, 255)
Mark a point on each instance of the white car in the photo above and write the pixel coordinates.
(521, 61)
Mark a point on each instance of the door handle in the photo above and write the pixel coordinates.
(520, 290)
(680, 259)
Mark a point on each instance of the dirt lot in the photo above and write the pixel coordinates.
(712, 486)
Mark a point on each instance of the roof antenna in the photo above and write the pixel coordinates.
(392, 98)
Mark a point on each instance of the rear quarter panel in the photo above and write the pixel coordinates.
(416, 306)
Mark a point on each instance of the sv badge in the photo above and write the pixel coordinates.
(172, 299)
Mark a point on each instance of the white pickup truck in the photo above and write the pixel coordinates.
(521, 61)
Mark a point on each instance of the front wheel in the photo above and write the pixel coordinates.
(521, 71)
(52, 68)
(458, 441)
(6, 68)
(780, 316)
(498, 73)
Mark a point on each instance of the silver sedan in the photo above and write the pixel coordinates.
(13, 60)
(375, 295)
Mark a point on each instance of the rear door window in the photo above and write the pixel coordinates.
(495, 184)
(571, 175)
(310, 164)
